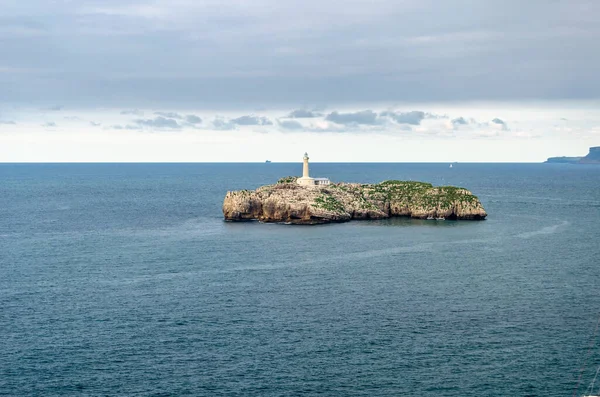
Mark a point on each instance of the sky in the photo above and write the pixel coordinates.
(352, 81)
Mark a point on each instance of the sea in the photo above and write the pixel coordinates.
(124, 280)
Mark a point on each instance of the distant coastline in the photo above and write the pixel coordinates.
(593, 157)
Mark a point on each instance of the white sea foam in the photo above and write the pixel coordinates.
(189, 229)
(543, 231)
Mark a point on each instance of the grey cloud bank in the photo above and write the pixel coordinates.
(290, 124)
(274, 52)
(126, 127)
(363, 117)
(189, 119)
(134, 112)
(171, 115)
(159, 122)
(303, 114)
(369, 117)
(220, 123)
(413, 117)
(337, 121)
(459, 121)
(251, 120)
(193, 119)
(500, 123)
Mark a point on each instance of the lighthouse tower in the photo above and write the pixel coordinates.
(306, 179)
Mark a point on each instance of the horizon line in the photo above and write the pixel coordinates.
(277, 162)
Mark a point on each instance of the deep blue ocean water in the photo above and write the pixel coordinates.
(122, 279)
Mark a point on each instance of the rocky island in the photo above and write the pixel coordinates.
(309, 201)
(290, 202)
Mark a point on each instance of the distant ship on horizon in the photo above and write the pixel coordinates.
(268, 161)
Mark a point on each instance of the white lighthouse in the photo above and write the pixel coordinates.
(306, 180)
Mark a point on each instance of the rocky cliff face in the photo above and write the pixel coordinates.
(564, 159)
(593, 157)
(289, 202)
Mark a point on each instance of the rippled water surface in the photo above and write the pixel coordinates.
(124, 280)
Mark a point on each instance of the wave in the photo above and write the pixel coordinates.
(189, 229)
(543, 231)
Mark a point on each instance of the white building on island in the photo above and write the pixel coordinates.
(306, 180)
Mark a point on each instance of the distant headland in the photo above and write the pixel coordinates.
(307, 200)
(593, 157)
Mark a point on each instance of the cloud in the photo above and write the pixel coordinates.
(303, 114)
(219, 123)
(159, 122)
(126, 127)
(376, 58)
(500, 123)
(49, 124)
(290, 124)
(328, 126)
(477, 128)
(367, 117)
(134, 112)
(7, 122)
(94, 124)
(413, 117)
(55, 108)
(170, 115)
(72, 118)
(193, 119)
(459, 121)
(252, 120)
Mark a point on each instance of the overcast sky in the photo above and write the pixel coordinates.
(350, 80)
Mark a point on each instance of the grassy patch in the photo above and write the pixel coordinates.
(328, 203)
(288, 179)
